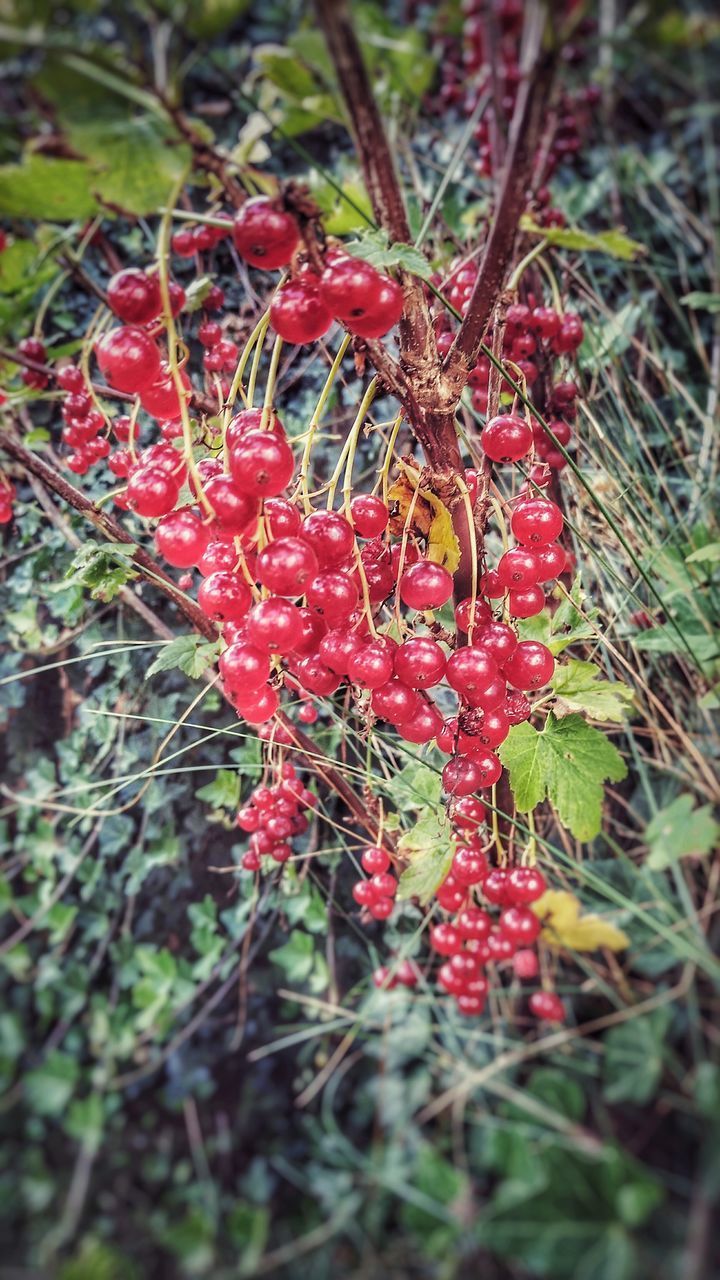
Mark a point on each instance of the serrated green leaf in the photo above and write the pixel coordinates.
(296, 957)
(566, 762)
(48, 188)
(680, 831)
(135, 161)
(571, 622)
(223, 792)
(192, 654)
(429, 852)
(613, 243)
(102, 568)
(633, 1058)
(581, 688)
(374, 246)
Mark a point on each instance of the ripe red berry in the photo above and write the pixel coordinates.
(331, 537)
(527, 884)
(468, 814)
(471, 670)
(128, 358)
(369, 515)
(547, 1005)
(472, 923)
(261, 463)
(265, 235)
(181, 538)
(134, 296)
(469, 866)
(316, 677)
(422, 725)
(461, 776)
(445, 939)
(162, 399)
(420, 663)
(371, 666)
(298, 313)
(224, 597)
(286, 566)
(495, 887)
(526, 964)
(507, 438)
(530, 666)
(274, 625)
(425, 585)
(244, 669)
(552, 560)
(374, 860)
(478, 614)
(151, 492)
(233, 510)
(520, 924)
(394, 701)
(526, 603)
(518, 568)
(281, 517)
(536, 521)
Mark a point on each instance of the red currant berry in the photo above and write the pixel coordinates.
(298, 313)
(181, 539)
(425, 585)
(369, 515)
(286, 566)
(128, 358)
(547, 1005)
(507, 438)
(530, 666)
(420, 663)
(265, 235)
(536, 521)
(224, 597)
(134, 296)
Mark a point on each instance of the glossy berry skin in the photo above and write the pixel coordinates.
(371, 666)
(473, 924)
(224, 597)
(337, 647)
(422, 725)
(520, 924)
(233, 510)
(256, 708)
(334, 594)
(382, 908)
(369, 515)
(526, 603)
(536, 522)
(298, 313)
(181, 539)
(494, 729)
(461, 776)
(420, 663)
(161, 398)
(265, 235)
(368, 303)
(245, 669)
(552, 560)
(425, 585)
(395, 702)
(281, 517)
(313, 629)
(530, 666)
(134, 296)
(331, 537)
(507, 438)
(286, 566)
(468, 814)
(374, 860)
(518, 568)
(497, 639)
(152, 492)
(479, 614)
(70, 378)
(274, 625)
(469, 866)
(526, 885)
(445, 939)
(495, 888)
(128, 358)
(547, 1005)
(470, 670)
(261, 463)
(387, 310)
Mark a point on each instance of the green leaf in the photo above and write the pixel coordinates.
(613, 243)
(135, 162)
(581, 688)
(633, 1060)
(223, 792)
(208, 18)
(49, 1088)
(296, 957)
(698, 301)
(680, 831)
(192, 654)
(428, 849)
(103, 568)
(567, 762)
(85, 1120)
(196, 293)
(571, 622)
(47, 188)
(374, 246)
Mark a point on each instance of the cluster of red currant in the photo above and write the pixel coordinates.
(273, 815)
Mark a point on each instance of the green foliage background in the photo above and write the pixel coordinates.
(158, 1024)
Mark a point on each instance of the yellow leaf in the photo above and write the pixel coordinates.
(563, 926)
(430, 518)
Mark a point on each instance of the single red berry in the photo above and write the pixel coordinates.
(536, 521)
(530, 666)
(371, 666)
(298, 313)
(420, 663)
(152, 492)
(128, 358)
(234, 510)
(422, 725)
(274, 625)
(526, 603)
(369, 515)
(286, 566)
(394, 701)
(507, 438)
(374, 860)
(547, 1006)
(265, 235)
(445, 939)
(526, 964)
(224, 597)
(518, 568)
(520, 924)
(461, 776)
(181, 538)
(425, 585)
(331, 537)
(134, 296)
